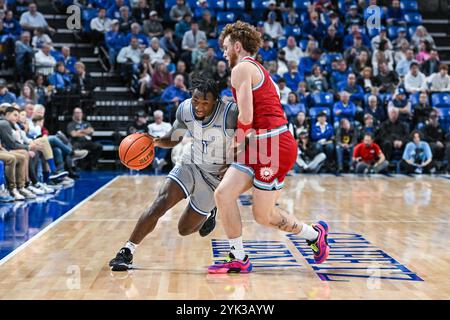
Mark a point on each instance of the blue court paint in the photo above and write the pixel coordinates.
(263, 253)
(20, 221)
(351, 257)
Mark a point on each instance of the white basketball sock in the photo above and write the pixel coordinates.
(237, 248)
(130, 245)
(308, 232)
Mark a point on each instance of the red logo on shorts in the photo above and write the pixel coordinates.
(266, 173)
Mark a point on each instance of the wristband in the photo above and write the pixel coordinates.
(242, 130)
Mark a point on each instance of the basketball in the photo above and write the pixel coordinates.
(136, 151)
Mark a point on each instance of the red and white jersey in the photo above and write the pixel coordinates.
(267, 110)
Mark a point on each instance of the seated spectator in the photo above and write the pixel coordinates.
(168, 44)
(183, 26)
(179, 10)
(375, 42)
(113, 11)
(129, 58)
(67, 59)
(267, 52)
(59, 79)
(424, 52)
(24, 57)
(353, 35)
(352, 52)
(141, 11)
(421, 111)
(199, 52)
(27, 95)
(340, 75)
(114, 40)
(383, 54)
(14, 168)
(11, 26)
(44, 61)
(140, 123)
(145, 77)
(314, 28)
(292, 77)
(370, 126)
(404, 65)
(395, 14)
(344, 109)
(387, 79)
(284, 90)
(354, 89)
(303, 94)
(417, 157)
(300, 123)
(158, 129)
(221, 75)
(415, 81)
(32, 19)
(420, 35)
(152, 27)
(322, 134)
(208, 62)
(332, 42)
(353, 18)
(401, 103)
(161, 79)
(5, 95)
(309, 158)
(375, 109)
(272, 68)
(293, 107)
(175, 94)
(43, 91)
(440, 81)
(155, 52)
(100, 25)
(208, 25)
(368, 158)
(361, 62)
(282, 63)
(125, 20)
(346, 139)
(401, 38)
(431, 65)
(226, 94)
(136, 33)
(401, 51)
(367, 80)
(306, 63)
(39, 38)
(190, 42)
(392, 135)
(437, 139)
(317, 82)
(80, 132)
(272, 27)
(181, 69)
(272, 7)
(292, 51)
(81, 81)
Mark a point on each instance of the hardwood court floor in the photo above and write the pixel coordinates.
(390, 241)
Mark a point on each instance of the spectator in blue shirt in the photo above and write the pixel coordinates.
(395, 14)
(113, 11)
(60, 79)
(226, 94)
(417, 157)
(5, 95)
(306, 63)
(24, 57)
(175, 94)
(340, 75)
(314, 28)
(349, 39)
(67, 59)
(183, 26)
(344, 109)
(322, 134)
(353, 17)
(293, 107)
(293, 76)
(10, 25)
(355, 90)
(168, 44)
(267, 52)
(375, 109)
(104, 4)
(114, 40)
(136, 32)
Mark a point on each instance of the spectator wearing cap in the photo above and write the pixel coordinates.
(344, 109)
(140, 123)
(395, 14)
(272, 27)
(346, 139)
(114, 10)
(32, 19)
(322, 134)
(142, 11)
(404, 65)
(388, 79)
(350, 38)
(168, 44)
(100, 25)
(24, 57)
(437, 139)
(179, 10)
(421, 111)
(208, 25)
(306, 63)
(266, 51)
(440, 81)
(114, 40)
(417, 156)
(44, 61)
(401, 103)
(152, 27)
(332, 42)
(293, 107)
(375, 109)
(368, 157)
(431, 65)
(310, 158)
(272, 7)
(314, 28)
(415, 81)
(5, 95)
(392, 135)
(293, 52)
(353, 17)
(316, 82)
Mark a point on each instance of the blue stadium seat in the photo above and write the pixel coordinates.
(191, 3)
(169, 4)
(414, 98)
(412, 30)
(392, 32)
(225, 17)
(260, 4)
(413, 18)
(314, 111)
(301, 5)
(304, 17)
(409, 5)
(87, 15)
(213, 43)
(216, 4)
(282, 42)
(327, 58)
(440, 100)
(235, 5)
(444, 118)
(373, 32)
(292, 31)
(323, 99)
(303, 44)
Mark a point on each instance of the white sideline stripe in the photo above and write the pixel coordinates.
(54, 223)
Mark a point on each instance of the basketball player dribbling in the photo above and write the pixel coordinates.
(211, 123)
(260, 111)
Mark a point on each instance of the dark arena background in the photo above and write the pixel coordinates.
(76, 77)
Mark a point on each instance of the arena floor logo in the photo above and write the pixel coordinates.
(352, 256)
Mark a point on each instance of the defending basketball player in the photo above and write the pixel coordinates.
(211, 122)
(264, 164)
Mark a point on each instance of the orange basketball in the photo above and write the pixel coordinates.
(136, 151)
